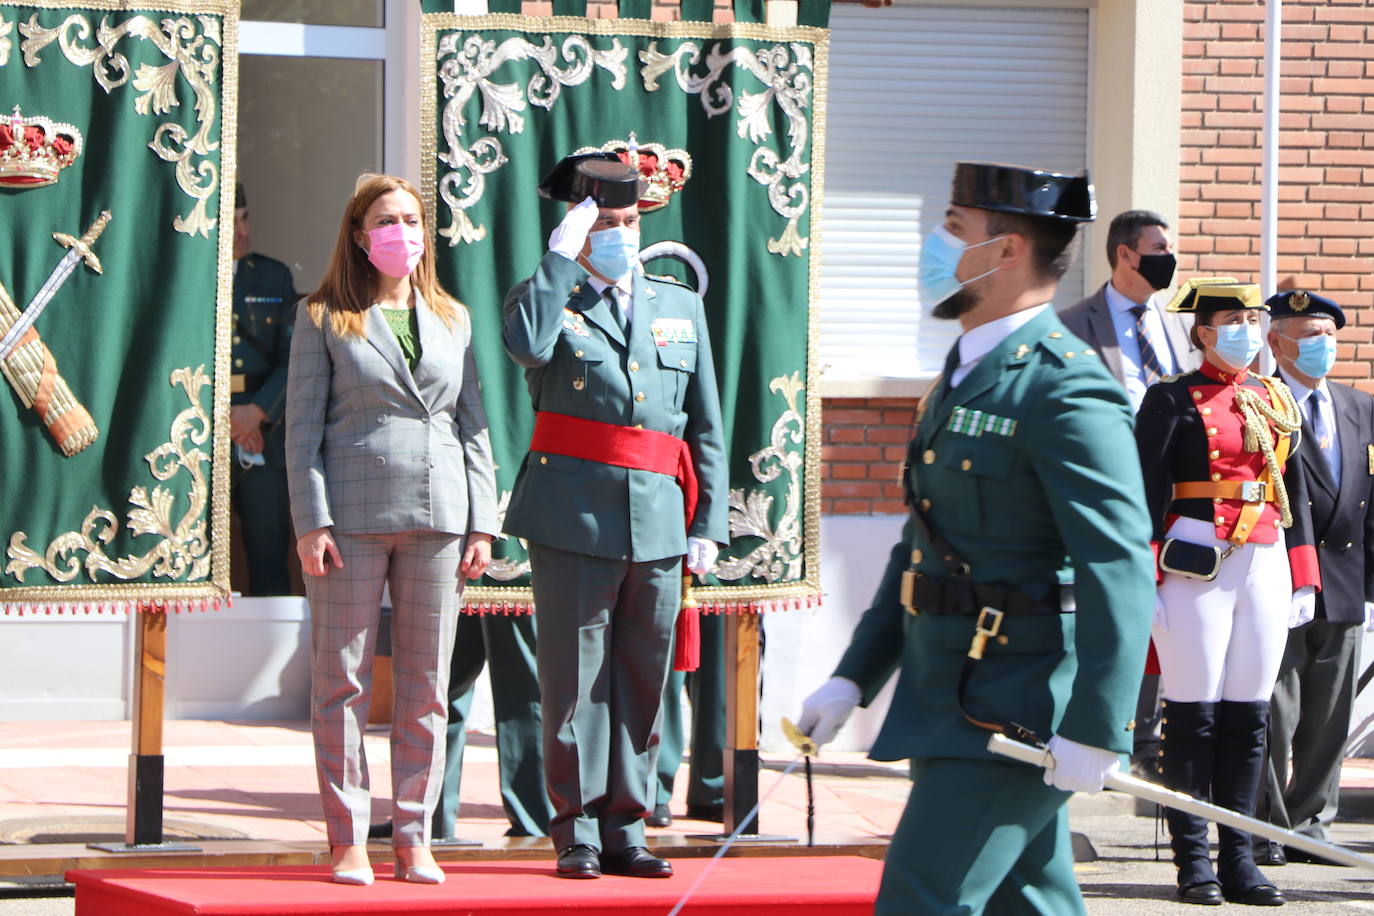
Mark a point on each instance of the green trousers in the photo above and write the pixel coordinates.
(505, 644)
(706, 690)
(980, 836)
(605, 635)
(260, 499)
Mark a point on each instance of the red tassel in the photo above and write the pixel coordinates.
(687, 644)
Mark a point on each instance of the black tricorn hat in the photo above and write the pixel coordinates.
(1301, 303)
(600, 176)
(1215, 294)
(1029, 192)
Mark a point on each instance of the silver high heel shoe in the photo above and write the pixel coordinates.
(360, 876)
(418, 874)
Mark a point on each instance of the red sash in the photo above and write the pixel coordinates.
(642, 450)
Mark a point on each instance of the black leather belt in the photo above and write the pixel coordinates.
(940, 595)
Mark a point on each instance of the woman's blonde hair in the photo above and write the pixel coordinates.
(350, 284)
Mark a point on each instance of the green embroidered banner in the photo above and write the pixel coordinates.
(728, 121)
(115, 478)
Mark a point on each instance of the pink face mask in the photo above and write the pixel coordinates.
(396, 249)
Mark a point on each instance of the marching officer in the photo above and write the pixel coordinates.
(264, 297)
(625, 474)
(1018, 599)
(1309, 713)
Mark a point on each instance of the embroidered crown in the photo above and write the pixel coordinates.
(665, 171)
(34, 150)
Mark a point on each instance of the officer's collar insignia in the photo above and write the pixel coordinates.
(1300, 301)
(1021, 352)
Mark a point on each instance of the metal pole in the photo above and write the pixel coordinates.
(1269, 169)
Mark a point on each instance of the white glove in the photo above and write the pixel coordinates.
(1161, 620)
(701, 555)
(825, 711)
(1369, 616)
(1303, 608)
(571, 234)
(1078, 767)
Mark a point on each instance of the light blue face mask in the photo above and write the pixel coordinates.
(1238, 344)
(940, 255)
(614, 251)
(1316, 355)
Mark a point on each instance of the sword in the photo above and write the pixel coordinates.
(807, 747)
(77, 250)
(1131, 785)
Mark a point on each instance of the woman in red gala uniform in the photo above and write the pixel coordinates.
(1237, 568)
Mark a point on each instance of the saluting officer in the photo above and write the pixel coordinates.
(1029, 538)
(625, 474)
(263, 299)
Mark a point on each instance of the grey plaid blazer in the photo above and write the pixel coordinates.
(372, 448)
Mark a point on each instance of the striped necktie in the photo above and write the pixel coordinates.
(1150, 369)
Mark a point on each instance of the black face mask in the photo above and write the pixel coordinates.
(1157, 269)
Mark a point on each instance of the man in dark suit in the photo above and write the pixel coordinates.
(1140, 343)
(264, 298)
(1310, 712)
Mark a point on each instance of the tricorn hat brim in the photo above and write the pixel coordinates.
(1215, 294)
(1026, 191)
(599, 175)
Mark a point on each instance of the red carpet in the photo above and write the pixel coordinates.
(785, 886)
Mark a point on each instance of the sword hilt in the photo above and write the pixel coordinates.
(82, 246)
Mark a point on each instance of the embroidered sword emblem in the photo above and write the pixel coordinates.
(77, 250)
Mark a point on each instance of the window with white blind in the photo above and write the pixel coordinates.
(914, 89)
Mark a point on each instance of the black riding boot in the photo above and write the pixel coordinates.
(1235, 785)
(1187, 749)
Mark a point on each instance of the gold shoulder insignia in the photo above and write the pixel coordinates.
(1172, 378)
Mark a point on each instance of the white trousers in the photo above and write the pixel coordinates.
(1224, 639)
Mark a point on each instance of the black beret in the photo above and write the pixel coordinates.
(600, 176)
(1029, 192)
(1301, 303)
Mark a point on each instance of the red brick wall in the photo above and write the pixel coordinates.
(865, 443)
(1326, 166)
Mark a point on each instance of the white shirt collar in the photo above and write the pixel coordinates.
(1120, 302)
(1300, 391)
(624, 284)
(979, 342)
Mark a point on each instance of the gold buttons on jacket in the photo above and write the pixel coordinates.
(543, 459)
(925, 505)
(928, 456)
(238, 364)
(1221, 520)
(1217, 500)
(682, 363)
(577, 353)
(634, 366)
(1211, 430)
(1054, 335)
(1197, 395)
(966, 464)
(1214, 454)
(1216, 475)
(1206, 411)
(639, 395)
(237, 340)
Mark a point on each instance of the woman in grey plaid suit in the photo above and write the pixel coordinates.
(391, 479)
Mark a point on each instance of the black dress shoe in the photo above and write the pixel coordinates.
(1270, 854)
(380, 831)
(661, 817)
(636, 862)
(1208, 893)
(1259, 895)
(714, 813)
(1298, 855)
(579, 861)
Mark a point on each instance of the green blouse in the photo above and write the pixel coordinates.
(406, 327)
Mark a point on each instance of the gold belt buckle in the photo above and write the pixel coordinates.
(909, 576)
(988, 625)
(1254, 491)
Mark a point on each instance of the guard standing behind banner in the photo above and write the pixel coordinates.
(623, 385)
(1019, 596)
(263, 299)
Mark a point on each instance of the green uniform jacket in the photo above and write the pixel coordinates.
(578, 362)
(1056, 499)
(264, 314)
